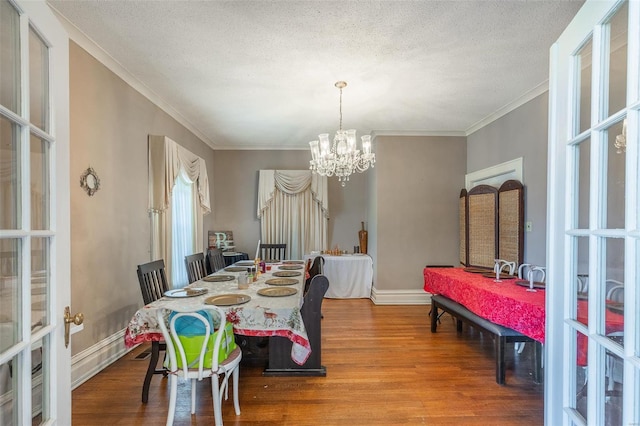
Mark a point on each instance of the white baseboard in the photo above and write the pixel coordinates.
(400, 297)
(88, 363)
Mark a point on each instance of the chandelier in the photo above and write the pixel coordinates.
(341, 158)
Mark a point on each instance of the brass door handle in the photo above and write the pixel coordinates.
(77, 319)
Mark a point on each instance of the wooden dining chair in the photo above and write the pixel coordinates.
(273, 251)
(215, 259)
(195, 354)
(316, 268)
(196, 268)
(153, 284)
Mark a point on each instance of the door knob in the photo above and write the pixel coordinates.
(77, 319)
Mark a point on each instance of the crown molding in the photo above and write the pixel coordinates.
(376, 133)
(531, 94)
(259, 148)
(85, 42)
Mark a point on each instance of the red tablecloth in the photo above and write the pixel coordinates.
(507, 304)
(614, 322)
(504, 303)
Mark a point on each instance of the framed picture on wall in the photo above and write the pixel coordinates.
(221, 239)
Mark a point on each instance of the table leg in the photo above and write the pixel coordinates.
(537, 362)
(500, 363)
(434, 317)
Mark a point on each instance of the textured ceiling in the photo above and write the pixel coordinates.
(261, 74)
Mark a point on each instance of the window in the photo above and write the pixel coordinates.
(183, 228)
(178, 199)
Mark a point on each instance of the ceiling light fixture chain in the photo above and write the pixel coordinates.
(341, 158)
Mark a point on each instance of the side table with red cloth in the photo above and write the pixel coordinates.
(614, 322)
(503, 303)
(507, 304)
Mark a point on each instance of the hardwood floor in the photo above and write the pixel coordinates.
(384, 367)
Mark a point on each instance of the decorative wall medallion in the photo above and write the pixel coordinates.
(90, 181)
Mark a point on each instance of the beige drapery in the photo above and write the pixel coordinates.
(167, 160)
(293, 206)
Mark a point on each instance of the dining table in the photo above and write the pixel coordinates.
(350, 275)
(262, 309)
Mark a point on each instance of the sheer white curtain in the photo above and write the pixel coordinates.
(167, 160)
(293, 208)
(183, 228)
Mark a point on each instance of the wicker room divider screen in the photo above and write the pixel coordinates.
(492, 224)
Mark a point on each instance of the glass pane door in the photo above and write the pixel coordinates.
(594, 142)
(29, 233)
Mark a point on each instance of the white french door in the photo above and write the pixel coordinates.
(593, 293)
(35, 379)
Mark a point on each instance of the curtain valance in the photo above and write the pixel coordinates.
(291, 182)
(166, 160)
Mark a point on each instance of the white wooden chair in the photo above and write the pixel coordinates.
(218, 372)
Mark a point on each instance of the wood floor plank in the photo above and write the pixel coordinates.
(384, 367)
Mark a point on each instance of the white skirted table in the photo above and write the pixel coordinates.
(350, 276)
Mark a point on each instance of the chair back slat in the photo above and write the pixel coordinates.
(153, 280)
(216, 260)
(273, 251)
(196, 269)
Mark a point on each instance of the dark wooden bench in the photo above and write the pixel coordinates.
(280, 362)
(502, 335)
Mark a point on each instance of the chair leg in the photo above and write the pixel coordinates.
(217, 403)
(153, 362)
(173, 394)
(236, 400)
(193, 396)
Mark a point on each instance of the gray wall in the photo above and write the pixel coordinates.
(416, 207)
(235, 183)
(110, 233)
(520, 133)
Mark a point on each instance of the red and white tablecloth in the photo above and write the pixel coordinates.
(261, 316)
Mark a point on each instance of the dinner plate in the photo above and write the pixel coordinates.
(293, 262)
(245, 263)
(289, 267)
(235, 269)
(277, 291)
(218, 278)
(281, 281)
(502, 276)
(227, 299)
(536, 284)
(272, 261)
(287, 274)
(186, 292)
